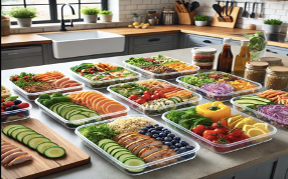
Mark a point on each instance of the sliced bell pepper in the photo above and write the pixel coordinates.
(216, 110)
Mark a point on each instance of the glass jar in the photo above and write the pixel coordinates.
(256, 71)
(273, 61)
(276, 77)
(258, 43)
(203, 57)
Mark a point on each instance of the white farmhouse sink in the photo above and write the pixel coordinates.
(75, 44)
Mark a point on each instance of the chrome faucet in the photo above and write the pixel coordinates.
(62, 18)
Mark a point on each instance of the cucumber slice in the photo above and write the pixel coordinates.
(92, 114)
(33, 142)
(105, 148)
(130, 158)
(115, 151)
(20, 135)
(125, 156)
(14, 128)
(104, 141)
(44, 145)
(103, 145)
(17, 131)
(6, 128)
(64, 111)
(77, 117)
(54, 152)
(110, 149)
(135, 162)
(118, 154)
(27, 137)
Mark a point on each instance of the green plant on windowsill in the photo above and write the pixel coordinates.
(201, 18)
(273, 22)
(90, 10)
(104, 12)
(23, 12)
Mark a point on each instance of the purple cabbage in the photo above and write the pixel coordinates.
(219, 88)
(279, 112)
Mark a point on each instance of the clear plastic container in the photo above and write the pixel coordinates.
(104, 84)
(203, 57)
(164, 76)
(6, 94)
(16, 115)
(154, 112)
(216, 96)
(259, 115)
(224, 148)
(33, 96)
(191, 154)
(76, 123)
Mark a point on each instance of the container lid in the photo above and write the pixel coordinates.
(271, 59)
(257, 64)
(203, 50)
(277, 69)
(227, 40)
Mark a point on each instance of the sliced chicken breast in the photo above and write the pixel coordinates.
(160, 155)
(20, 159)
(116, 138)
(151, 149)
(138, 148)
(7, 149)
(11, 157)
(10, 152)
(5, 143)
(129, 141)
(67, 82)
(120, 141)
(6, 146)
(132, 145)
(58, 82)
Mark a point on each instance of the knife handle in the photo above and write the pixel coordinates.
(226, 9)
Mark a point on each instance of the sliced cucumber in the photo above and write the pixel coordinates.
(77, 117)
(115, 151)
(109, 145)
(33, 142)
(27, 137)
(14, 128)
(110, 149)
(42, 146)
(92, 114)
(20, 135)
(135, 162)
(125, 156)
(118, 154)
(17, 131)
(103, 145)
(104, 141)
(6, 128)
(54, 152)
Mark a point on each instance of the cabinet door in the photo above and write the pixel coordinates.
(277, 50)
(204, 40)
(153, 48)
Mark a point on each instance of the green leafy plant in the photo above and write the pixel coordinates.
(23, 12)
(104, 12)
(273, 22)
(90, 10)
(201, 18)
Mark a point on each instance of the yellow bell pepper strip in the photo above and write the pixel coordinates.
(216, 110)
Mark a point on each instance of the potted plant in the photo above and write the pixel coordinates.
(106, 16)
(90, 14)
(272, 25)
(23, 15)
(201, 20)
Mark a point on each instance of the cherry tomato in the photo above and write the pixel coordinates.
(199, 129)
(231, 138)
(154, 97)
(210, 135)
(220, 136)
(220, 125)
(134, 96)
(148, 92)
(81, 73)
(235, 132)
(220, 131)
(147, 97)
(141, 101)
(161, 95)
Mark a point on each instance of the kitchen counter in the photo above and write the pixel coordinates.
(206, 165)
(220, 32)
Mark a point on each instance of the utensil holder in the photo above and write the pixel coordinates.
(186, 17)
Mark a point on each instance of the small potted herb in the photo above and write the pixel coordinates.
(272, 25)
(201, 20)
(90, 14)
(23, 15)
(106, 16)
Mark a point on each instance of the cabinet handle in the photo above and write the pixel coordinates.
(152, 40)
(13, 53)
(287, 54)
(267, 50)
(207, 41)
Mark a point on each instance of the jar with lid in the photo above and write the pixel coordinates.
(203, 57)
(273, 61)
(256, 71)
(276, 77)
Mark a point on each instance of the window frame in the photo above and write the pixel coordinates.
(53, 10)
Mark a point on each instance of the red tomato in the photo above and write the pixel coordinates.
(161, 95)
(141, 101)
(154, 97)
(220, 125)
(235, 132)
(134, 96)
(231, 138)
(220, 136)
(220, 131)
(147, 97)
(148, 92)
(199, 129)
(210, 135)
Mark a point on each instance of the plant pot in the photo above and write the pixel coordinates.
(201, 23)
(24, 22)
(5, 27)
(106, 18)
(90, 18)
(272, 28)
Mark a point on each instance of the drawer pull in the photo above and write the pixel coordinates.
(267, 50)
(207, 41)
(152, 40)
(15, 53)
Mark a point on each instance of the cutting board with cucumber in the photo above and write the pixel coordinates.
(50, 152)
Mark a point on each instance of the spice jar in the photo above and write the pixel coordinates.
(203, 57)
(273, 61)
(256, 71)
(276, 78)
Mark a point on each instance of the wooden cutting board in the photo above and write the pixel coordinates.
(40, 165)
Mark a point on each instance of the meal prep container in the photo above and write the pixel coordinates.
(5, 95)
(164, 76)
(104, 84)
(216, 96)
(203, 57)
(76, 123)
(223, 148)
(191, 154)
(16, 115)
(154, 112)
(259, 115)
(33, 96)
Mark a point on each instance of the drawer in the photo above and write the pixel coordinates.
(153, 48)
(150, 40)
(21, 51)
(204, 40)
(21, 62)
(192, 45)
(277, 50)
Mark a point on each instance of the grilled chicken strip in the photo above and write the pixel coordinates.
(120, 141)
(10, 152)
(11, 157)
(5, 143)
(5, 146)
(7, 149)
(150, 150)
(137, 149)
(20, 159)
(160, 155)
(130, 140)
(132, 145)
(116, 138)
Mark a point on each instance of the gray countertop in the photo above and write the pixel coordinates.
(206, 164)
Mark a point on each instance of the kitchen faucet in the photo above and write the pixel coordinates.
(62, 18)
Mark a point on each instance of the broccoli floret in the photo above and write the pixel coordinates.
(60, 99)
(44, 96)
(47, 103)
(175, 116)
(41, 101)
(57, 94)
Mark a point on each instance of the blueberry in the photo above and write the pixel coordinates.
(168, 143)
(159, 138)
(189, 147)
(144, 128)
(164, 129)
(154, 132)
(155, 135)
(148, 133)
(26, 113)
(168, 139)
(156, 125)
(184, 143)
(183, 149)
(174, 141)
(171, 135)
(14, 107)
(141, 132)
(178, 145)
(150, 129)
(159, 128)
(176, 149)
(177, 138)
(167, 132)
(172, 147)
(162, 134)
(8, 109)
(149, 126)
(16, 102)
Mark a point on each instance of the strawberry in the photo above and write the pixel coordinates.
(9, 103)
(2, 110)
(3, 107)
(2, 100)
(20, 114)
(23, 105)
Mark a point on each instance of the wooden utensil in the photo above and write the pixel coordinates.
(218, 9)
(227, 17)
(253, 15)
(245, 13)
(177, 8)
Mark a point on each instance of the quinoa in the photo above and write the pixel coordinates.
(39, 87)
(130, 124)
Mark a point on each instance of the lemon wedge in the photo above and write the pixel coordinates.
(262, 126)
(255, 132)
(240, 125)
(135, 23)
(247, 127)
(234, 120)
(249, 121)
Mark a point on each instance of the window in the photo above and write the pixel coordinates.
(49, 11)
